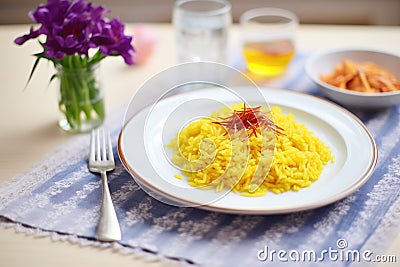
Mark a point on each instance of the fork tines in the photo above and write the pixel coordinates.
(100, 146)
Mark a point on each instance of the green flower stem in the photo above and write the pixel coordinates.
(80, 97)
(70, 100)
(79, 77)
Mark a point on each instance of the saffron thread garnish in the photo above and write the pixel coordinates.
(251, 120)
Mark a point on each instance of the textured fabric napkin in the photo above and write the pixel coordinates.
(61, 198)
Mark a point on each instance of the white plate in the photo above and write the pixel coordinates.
(141, 149)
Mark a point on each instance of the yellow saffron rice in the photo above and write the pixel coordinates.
(212, 159)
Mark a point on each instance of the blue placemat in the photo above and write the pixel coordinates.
(60, 197)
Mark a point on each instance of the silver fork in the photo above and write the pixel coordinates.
(101, 160)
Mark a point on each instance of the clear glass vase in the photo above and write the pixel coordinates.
(81, 99)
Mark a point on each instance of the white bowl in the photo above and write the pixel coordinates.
(324, 62)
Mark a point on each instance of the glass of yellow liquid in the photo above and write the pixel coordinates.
(268, 40)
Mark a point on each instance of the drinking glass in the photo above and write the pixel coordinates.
(202, 29)
(268, 40)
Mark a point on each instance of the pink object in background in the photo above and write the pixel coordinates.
(144, 41)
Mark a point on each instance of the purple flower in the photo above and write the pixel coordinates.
(76, 27)
(110, 38)
(32, 34)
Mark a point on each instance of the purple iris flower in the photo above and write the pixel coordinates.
(75, 28)
(110, 38)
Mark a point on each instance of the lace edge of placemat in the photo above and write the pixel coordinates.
(144, 253)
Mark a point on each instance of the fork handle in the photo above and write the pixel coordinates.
(108, 227)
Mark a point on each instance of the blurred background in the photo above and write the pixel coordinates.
(355, 12)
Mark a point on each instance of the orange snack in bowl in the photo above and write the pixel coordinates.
(366, 77)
